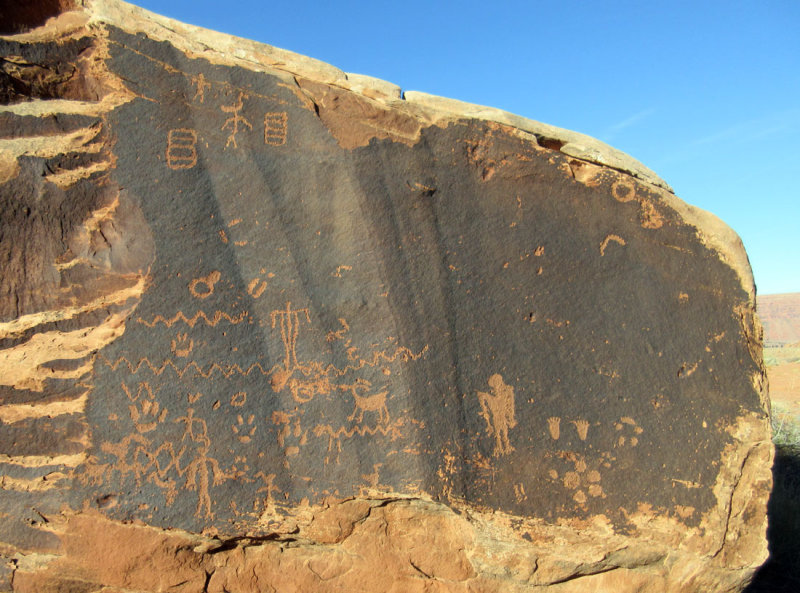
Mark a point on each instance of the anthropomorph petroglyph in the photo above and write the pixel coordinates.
(497, 409)
(202, 85)
(235, 119)
(202, 469)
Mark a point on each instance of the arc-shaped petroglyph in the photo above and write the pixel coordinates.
(609, 238)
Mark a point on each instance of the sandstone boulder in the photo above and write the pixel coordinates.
(267, 326)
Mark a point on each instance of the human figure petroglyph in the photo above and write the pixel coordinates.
(199, 472)
(202, 85)
(203, 470)
(268, 487)
(314, 381)
(497, 410)
(235, 119)
(367, 403)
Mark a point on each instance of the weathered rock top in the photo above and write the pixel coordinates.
(222, 48)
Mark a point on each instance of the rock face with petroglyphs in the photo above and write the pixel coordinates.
(267, 326)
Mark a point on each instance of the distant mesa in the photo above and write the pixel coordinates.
(780, 316)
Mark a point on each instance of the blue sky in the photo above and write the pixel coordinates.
(705, 93)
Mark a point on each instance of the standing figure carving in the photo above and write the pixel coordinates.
(497, 408)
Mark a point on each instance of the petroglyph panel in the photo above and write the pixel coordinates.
(331, 310)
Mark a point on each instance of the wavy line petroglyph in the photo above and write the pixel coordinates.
(335, 435)
(192, 321)
(225, 370)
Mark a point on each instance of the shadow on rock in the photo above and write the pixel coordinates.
(781, 573)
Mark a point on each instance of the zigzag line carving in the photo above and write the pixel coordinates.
(228, 370)
(326, 429)
(192, 321)
(225, 370)
(377, 358)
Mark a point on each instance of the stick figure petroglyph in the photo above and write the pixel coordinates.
(202, 85)
(202, 469)
(235, 119)
(268, 487)
(497, 410)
